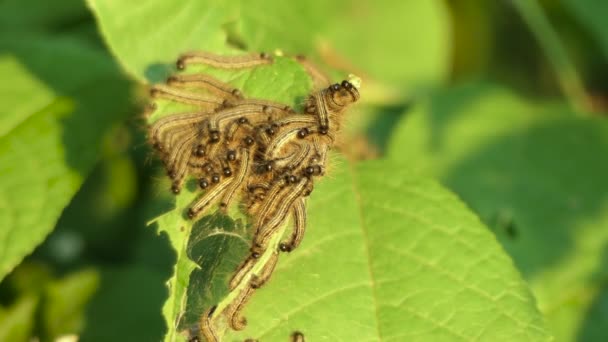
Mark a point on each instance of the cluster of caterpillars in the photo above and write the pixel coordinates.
(263, 154)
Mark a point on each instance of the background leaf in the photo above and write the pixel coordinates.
(592, 15)
(533, 173)
(17, 322)
(24, 84)
(126, 304)
(351, 35)
(65, 301)
(41, 15)
(54, 142)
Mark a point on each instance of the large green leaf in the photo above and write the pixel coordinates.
(23, 85)
(410, 38)
(392, 256)
(388, 255)
(50, 144)
(536, 175)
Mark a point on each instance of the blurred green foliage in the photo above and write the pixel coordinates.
(475, 94)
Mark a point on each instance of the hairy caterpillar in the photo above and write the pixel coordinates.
(260, 152)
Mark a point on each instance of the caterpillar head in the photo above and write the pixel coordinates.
(342, 94)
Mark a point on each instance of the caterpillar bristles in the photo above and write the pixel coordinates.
(187, 97)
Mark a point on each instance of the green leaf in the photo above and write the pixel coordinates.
(389, 255)
(411, 38)
(415, 265)
(41, 70)
(536, 175)
(52, 146)
(591, 14)
(17, 322)
(126, 306)
(23, 85)
(207, 254)
(147, 38)
(65, 301)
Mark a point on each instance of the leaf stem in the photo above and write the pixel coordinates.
(568, 77)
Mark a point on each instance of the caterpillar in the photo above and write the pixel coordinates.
(262, 154)
(206, 327)
(296, 336)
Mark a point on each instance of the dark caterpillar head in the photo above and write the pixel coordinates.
(342, 94)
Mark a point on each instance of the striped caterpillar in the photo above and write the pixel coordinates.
(258, 153)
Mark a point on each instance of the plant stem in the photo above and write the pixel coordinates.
(567, 75)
